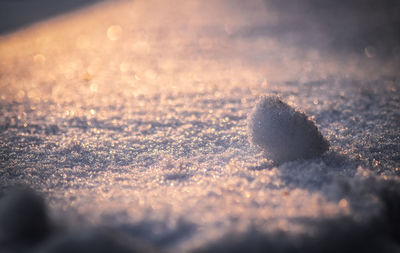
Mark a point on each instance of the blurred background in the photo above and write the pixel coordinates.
(16, 14)
(363, 26)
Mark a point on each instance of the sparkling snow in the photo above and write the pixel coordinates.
(133, 115)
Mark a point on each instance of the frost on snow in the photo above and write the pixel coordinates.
(284, 133)
(134, 118)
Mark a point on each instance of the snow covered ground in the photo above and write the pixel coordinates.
(133, 116)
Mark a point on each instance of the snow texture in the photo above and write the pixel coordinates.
(283, 133)
(130, 118)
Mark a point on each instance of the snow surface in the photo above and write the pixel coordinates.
(133, 115)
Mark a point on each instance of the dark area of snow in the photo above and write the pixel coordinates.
(22, 13)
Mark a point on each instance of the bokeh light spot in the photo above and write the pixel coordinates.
(370, 52)
(114, 32)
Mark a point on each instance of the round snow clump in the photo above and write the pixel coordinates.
(23, 218)
(283, 133)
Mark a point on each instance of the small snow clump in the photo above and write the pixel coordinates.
(283, 133)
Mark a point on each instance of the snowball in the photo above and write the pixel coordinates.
(283, 133)
(23, 218)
